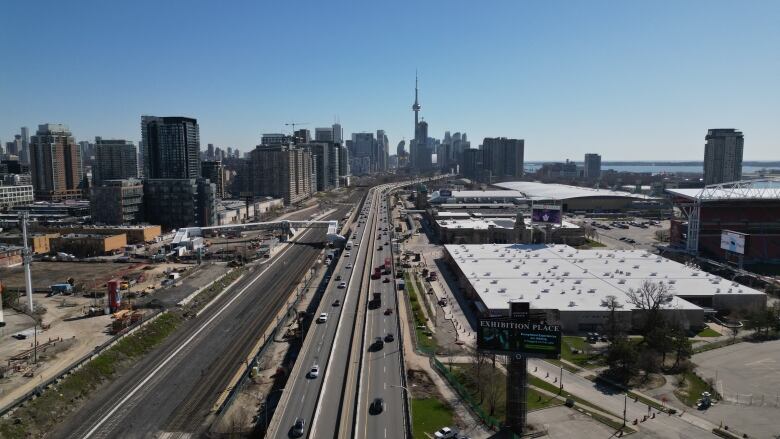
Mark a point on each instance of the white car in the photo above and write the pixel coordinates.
(343, 285)
(445, 433)
(314, 372)
(322, 318)
(349, 266)
(347, 254)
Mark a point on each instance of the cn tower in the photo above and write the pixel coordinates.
(416, 106)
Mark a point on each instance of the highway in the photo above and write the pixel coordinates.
(335, 402)
(174, 387)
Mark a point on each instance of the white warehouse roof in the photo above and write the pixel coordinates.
(554, 191)
(562, 277)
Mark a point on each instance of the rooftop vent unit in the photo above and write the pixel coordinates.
(502, 290)
(572, 304)
(565, 273)
(628, 273)
(578, 281)
(546, 290)
(487, 273)
(695, 273)
(636, 267)
(654, 274)
(717, 290)
(493, 281)
(622, 281)
(554, 267)
(606, 273)
(535, 281)
(563, 291)
(622, 260)
(525, 273)
(585, 270)
(544, 260)
(538, 296)
(592, 290)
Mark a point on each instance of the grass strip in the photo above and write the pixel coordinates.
(429, 415)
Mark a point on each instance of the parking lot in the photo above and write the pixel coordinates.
(748, 377)
(626, 233)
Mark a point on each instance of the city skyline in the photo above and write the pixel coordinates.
(624, 91)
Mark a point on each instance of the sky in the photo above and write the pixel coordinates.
(630, 80)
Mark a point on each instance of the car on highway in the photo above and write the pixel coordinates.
(314, 372)
(379, 249)
(343, 285)
(389, 338)
(322, 318)
(337, 302)
(349, 266)
(338, 277)
(297, 428)
(388, 311)
(445, 433)
(377, 406)
(386, 280)
(378, 344)
(347, 254)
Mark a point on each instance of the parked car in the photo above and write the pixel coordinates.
(445, 433)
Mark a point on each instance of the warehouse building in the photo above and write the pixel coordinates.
(573, 285)
(476, 228)
(84, 245)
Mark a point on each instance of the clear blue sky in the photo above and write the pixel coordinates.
(627, 79)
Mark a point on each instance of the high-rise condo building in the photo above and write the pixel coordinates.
(323, 135)
(171, 147)
(502, 158)
(115, 159)
(280, 171)
(55, 163)
(723, 155)
(592, 167)
(214, 171)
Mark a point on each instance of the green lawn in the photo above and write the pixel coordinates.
(584, 357)
(690, 392)
(429, 415)
(708, 332)
(424, 342)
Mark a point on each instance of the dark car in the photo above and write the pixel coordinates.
(378, 344)
(389, 338)
(337, 302)
(338, 277)
(297, 428)
(377, 406)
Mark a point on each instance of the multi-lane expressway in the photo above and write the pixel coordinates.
(172, 390)
(353, 369)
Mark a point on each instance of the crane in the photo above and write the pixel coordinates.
(292, 124)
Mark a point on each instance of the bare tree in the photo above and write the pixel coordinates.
(650, 297)
(613, 304)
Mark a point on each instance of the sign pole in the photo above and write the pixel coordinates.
(517, 394)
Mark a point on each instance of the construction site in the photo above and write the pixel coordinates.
(78, 306)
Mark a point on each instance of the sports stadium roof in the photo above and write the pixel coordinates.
(759, 189)
(554, 191)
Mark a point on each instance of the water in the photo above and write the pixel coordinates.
(653, 169)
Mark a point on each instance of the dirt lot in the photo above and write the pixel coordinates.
(68, 334)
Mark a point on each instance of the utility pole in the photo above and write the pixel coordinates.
(27, 259)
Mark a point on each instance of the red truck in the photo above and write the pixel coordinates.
(388, 265)
(377, 273)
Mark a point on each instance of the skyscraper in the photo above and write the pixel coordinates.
(502, 158)
(323, 135)
(401, 148)
(592, 168)
(338, 133)
(171, 147)
(24, 154)
(280, 171)
(723, 155)
(114, 160)
(55, 163)
(213, 171)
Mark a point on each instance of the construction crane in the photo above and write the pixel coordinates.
(293, 124)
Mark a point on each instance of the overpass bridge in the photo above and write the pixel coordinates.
(287, 227)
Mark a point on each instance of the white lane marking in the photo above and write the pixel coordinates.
(324, 389)
(176, 352)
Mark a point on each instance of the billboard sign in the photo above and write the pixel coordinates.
(505, 336)
(546, 213)
(445, 193)
(519, 310)
(732, 241)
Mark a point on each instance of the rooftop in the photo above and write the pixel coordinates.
(476, 195)
(554, 191)
(758, 189)
(480, 223)
(562, 277)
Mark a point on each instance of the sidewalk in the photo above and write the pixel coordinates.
(420, 362)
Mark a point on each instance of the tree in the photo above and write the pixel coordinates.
(622, 357)
(659, 339)
(681, 346)
(650, 298)
(613, 326)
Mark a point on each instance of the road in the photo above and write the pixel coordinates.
(329, 403)
(173, 388)
(382, 369)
